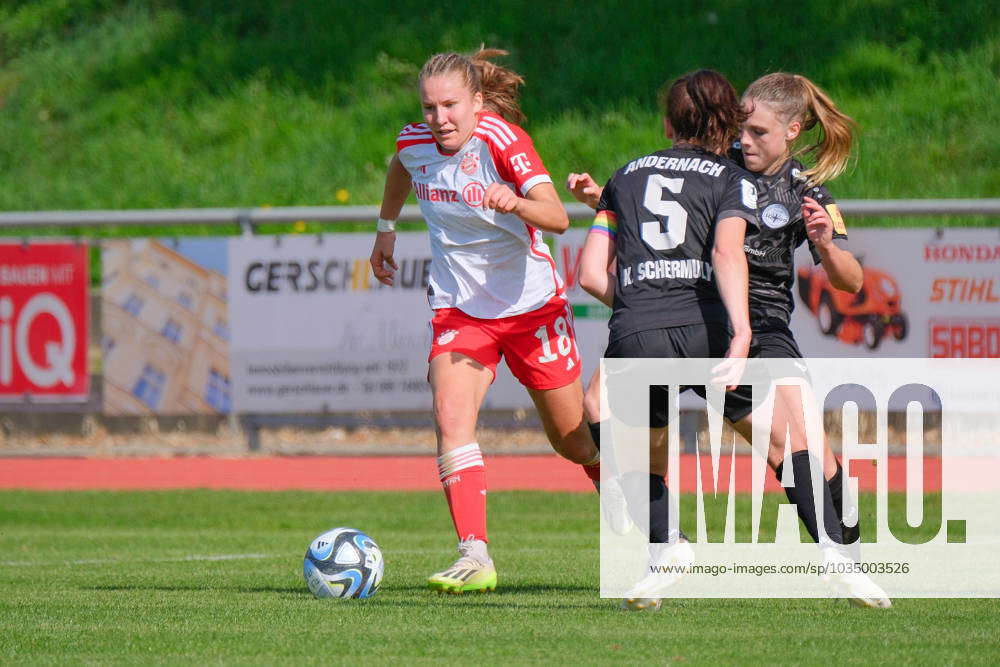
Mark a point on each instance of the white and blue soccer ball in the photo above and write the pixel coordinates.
(343, 563)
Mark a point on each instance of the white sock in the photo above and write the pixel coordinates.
(476, 549)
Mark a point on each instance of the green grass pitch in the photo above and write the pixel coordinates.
(202, 577)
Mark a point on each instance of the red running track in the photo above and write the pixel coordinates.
(395, 473)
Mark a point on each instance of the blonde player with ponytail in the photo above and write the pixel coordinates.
(493, 285)
(795, 207)
(782, 107)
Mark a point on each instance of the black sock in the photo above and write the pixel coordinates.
(595, 433)
(836, 491)
(802, 496)
(851, 534)
(659, 506)
(608, 460)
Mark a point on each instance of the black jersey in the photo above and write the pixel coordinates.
(771, 247)
(662, 209)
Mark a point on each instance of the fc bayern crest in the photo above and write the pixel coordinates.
(469, 164)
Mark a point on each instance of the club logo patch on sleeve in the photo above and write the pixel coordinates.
(837, 219)
(749, 191)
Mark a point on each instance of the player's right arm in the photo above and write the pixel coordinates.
(595, 273)
(598, 255)
(397, 187)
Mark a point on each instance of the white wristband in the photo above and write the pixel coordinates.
(385, 225)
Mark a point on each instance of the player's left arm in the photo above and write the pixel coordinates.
(731, 276)
(731, 272)
(584, 189)
(842, 268)
(540, 207)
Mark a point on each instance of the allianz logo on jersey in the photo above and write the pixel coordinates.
(427, 193)
(472, 194)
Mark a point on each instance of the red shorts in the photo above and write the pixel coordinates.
(540, 345)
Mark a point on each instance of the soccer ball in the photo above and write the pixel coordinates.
(343, 563)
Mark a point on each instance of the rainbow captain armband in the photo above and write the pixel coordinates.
(605, 223)
(385, 225)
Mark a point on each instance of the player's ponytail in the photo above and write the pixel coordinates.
(833, 148)
(500, 86)
(703, 107)
(794, 97)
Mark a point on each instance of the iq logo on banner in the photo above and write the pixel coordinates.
(43, 321)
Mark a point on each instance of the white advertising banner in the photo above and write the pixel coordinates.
(925, 294)
(590, 315)
(314, 331)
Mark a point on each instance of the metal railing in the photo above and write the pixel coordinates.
(249, 217)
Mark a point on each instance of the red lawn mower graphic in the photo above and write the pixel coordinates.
(866, 317)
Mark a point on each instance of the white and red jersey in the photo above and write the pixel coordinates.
(485, 263)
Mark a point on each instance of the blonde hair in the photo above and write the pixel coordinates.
(499, 86)
(794, 97)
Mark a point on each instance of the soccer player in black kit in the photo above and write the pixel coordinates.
(674, 223)
(794, 208)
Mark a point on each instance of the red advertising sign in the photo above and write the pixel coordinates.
(43, 321)
(975, 338)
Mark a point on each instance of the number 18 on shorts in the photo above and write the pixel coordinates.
(540, 345)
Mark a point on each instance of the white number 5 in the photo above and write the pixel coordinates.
(675, 218)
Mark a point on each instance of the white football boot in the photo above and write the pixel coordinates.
(646, 594)
(473, 571)
(855, 586)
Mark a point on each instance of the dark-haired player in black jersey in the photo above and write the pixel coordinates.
(674, 223)
(794, 208)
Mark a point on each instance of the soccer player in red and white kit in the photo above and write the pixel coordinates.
(494, 288)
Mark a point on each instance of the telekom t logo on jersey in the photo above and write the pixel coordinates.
(520, 163)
